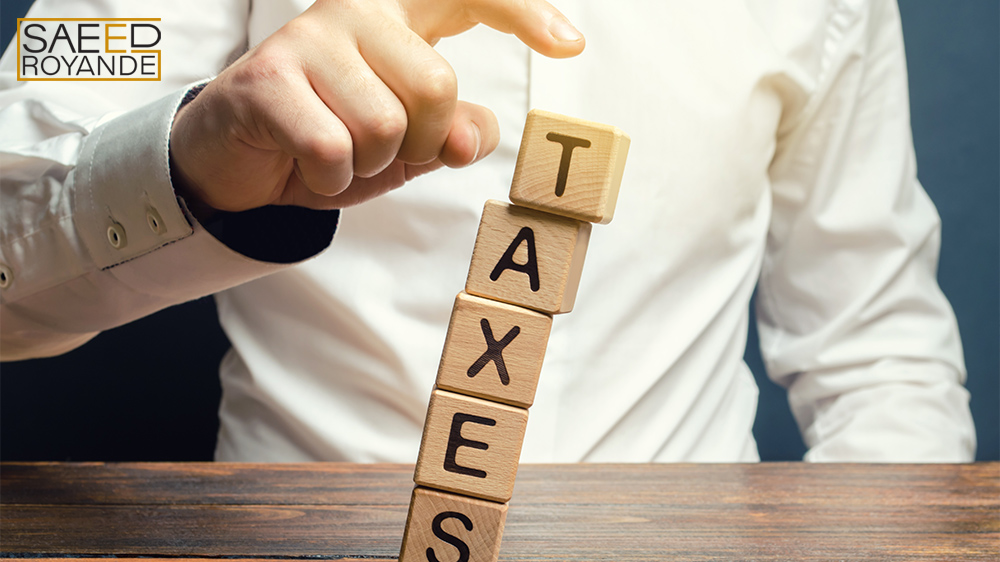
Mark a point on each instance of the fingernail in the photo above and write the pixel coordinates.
(564, 31)
(479, 140)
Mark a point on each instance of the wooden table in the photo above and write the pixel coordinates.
(781, 511)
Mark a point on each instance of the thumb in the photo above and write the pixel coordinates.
(535, 22)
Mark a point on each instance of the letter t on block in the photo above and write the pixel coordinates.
(569, 167)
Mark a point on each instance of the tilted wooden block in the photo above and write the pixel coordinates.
(528, 258)
(494, 350)
(569, 167)
(447, 527)
(470, 446)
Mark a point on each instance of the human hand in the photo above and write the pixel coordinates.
(346, 102)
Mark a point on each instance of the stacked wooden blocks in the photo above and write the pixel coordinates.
(525, 267)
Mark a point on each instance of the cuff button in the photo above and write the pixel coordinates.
(155, 222)
(116, 236)
(6, 276)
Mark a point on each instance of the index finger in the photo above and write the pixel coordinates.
(535, 22)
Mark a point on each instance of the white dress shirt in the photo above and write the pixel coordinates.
(771, 147)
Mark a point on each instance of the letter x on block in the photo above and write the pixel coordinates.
(494, 350)
(470, 446)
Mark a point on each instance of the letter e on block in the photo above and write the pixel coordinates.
(494, 350)
(528, 258)
(569, 167)
(470, 446)
(445, 527)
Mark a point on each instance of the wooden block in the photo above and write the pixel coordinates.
(470, 446)
(569, 166)
(444, 527)
(493, 350)
(528, 258)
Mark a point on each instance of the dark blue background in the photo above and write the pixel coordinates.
(130, 395)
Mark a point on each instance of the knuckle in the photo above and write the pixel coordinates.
(389, 126)
(269, 63)
(329, 150)
(300, 27)
(342, 4)
(437, 85)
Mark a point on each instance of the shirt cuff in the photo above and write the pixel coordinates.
(200, 264)
(124, 205)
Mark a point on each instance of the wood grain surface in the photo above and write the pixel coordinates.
(678, 512)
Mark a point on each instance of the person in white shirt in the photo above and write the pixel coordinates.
(770, 148)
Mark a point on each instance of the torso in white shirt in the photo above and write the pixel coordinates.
(335, 359)
(770, 141)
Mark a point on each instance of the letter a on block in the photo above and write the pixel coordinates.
(494, 350)
(569, 167)
(470, 446)
(443, 527)
(528, 258)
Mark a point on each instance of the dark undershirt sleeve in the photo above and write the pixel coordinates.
(277, 234)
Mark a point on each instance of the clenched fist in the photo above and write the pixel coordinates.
(347, 102)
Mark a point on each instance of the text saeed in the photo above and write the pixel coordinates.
(88, 49)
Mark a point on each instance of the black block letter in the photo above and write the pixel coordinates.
(529, 267)
(568, 144)
(455, 440)
(463, 549)
(494, 351)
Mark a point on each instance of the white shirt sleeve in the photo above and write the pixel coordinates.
(852, 321)
(91, 233)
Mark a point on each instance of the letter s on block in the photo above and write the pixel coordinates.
(463, 549)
